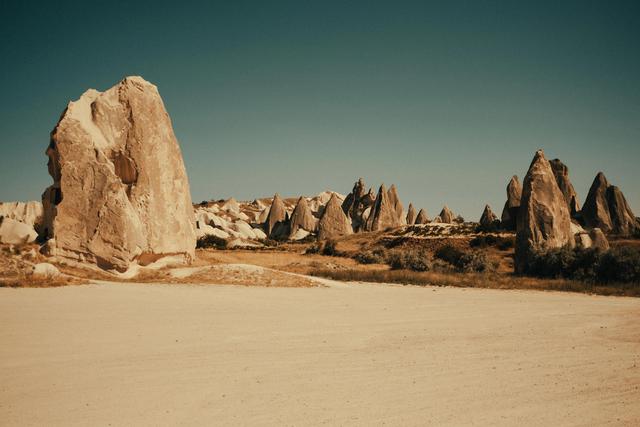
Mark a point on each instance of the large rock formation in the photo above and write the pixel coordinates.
(120, 190)
(356, 203)
(411, 215)
(29, 213)
(395, 202)
(302, 219)
(511, 206)
(446, 215)
(561, 172)
(606, 208)
(543, 218)
(422, 217)
(383, 214)
(333, 222)
(488, 219)
(16, 232)
(277, 215)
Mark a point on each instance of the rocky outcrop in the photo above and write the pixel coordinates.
(29, 213)
(543, 218)
(302, 219)
(511, 206)
(396, 204)
(488, 219)
(120, 191)
(606, 208)
(411, 215)
(598, 239)
(446, 215)
(383, 214)
(333, 222)
(277, 215)
(356, 203)
(16, 232)
(561, 172)
(422, 217)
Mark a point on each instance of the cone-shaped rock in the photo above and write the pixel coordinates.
(446, 216)
(383, 214)
(355, 204)
(422, 217)
(543, 217)
(411, 215)
(396, 204)
(510, 211)
(277, 214)
(333, 222)
(561, 172)
(120, 189)
(488, 218)
(302, 218)
(623, 220)
(595, 211)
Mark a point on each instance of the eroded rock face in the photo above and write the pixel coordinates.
(277, 215)
(422, 217)
(543, 218)
(333, 222)
(355, 204)
(606, 208)
(446, 215)
(302, 218)
(29, 213)
(511, 206)
(395, 202)
(383, 214)
(120, 190)
(411, 215)
(488, 218)
(561, 172)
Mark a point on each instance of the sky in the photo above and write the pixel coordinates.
(447, 100)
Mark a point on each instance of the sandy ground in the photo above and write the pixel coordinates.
(129, 354)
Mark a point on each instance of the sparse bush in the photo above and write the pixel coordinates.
(377, 256)
(465, 261)
(414, 260)
(210, 241)
(619, 265)
(324, 247)
(449, 253)
(483, 241)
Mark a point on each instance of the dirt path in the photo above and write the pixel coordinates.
(128, 354)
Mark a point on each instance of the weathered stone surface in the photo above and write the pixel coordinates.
(356, 203)
(44, 270)
(511, 206)
(16, 232)
(333, 222)
(29, 213)
(411, 215)
(422, 217)
(302, 218)
(598, 239)
(277, 214)
(488, 219)
(120, 190)
(561, 172)
(446, 215)
(396, 204)
(543, 218)
(606, 208)
(383, 214)
(623, 219)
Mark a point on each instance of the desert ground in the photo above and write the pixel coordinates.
(334, 354)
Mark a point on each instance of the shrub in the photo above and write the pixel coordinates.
(325, 247)
(619, 265)
(449, 253)
(483, 241)
(475, 262)
(210, 241)
(377, 256)
(414, 260)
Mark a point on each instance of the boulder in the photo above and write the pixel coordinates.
(561, 172)
(120, 190)
(422, 217)
(607, 209)
(543, 218)
(277, 214)
(488, 219)
(411, 215)
(396, 204)
(333, 222)
(511, 206)
(446, 216)
(29, 213)
(44, 270)
(16, 232)
(383, 215)
(302, 218)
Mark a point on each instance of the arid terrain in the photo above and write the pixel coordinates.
(357, 354)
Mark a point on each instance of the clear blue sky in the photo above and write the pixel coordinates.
(445, 99)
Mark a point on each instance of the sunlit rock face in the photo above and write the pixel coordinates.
(120, 190)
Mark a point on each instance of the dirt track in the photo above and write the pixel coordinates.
(130, 354)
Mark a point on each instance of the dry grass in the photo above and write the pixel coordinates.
(473, 280)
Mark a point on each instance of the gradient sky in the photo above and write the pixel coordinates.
(445, 99)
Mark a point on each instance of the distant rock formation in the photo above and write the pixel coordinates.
(543, 218)
(231, 205)
(411, 215)
(606, 208)
(356, 203)
(302, 218)
(277, 215)
(488, 219)
(120, 191)
(511, 206)
(561, 172)
(383, 214)
(29, 213)
(395, 202)
(446, 215)
(333, 222)
(422, 217)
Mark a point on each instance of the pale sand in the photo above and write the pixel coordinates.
(131, 354)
